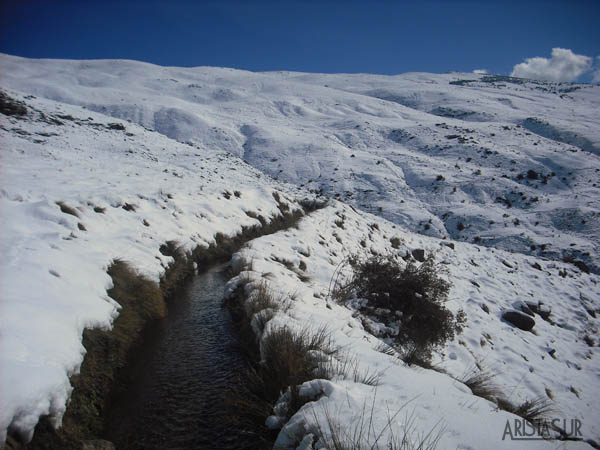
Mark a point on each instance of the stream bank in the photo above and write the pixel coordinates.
(188, 365)
(103, 373)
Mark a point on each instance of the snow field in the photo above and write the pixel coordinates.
(53, 276)
(412, 397)
(379, 143)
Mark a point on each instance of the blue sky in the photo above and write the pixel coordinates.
(374, 36)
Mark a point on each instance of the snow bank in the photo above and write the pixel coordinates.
(384, 144)
(413, 401)
(53, 276)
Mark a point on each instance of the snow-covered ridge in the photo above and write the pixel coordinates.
(426, 151)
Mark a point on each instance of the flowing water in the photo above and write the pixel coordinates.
(181, 375)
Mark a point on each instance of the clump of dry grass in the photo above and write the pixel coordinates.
(395, 241)
(281, 361)
(483, 385)
(67, 209)
(181, 268)
(363, 434)
(534, 410)
(291, 357)
(107, 352)
(299, 271)
(348, 367)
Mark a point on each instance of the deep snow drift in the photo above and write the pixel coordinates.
(53, 274)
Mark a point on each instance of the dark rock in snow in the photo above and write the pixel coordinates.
(581, 266)
(544, 311)
(533, 306)
(419, 254)
(115, 126)
(519, 319)
(525, 308)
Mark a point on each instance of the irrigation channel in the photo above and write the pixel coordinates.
(188, 363)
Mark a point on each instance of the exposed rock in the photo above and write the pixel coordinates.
(536, 266)
(577, 263)
(10, 106)
(419, 254)
(533, 306)
(544, 311)
(519, 319)
(115, 126)
(526, 309)
(581, 266)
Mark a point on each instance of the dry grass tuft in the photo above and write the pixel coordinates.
(67, 209)
(483, 385)
(107, 353)
(363, 434)
(181, 268)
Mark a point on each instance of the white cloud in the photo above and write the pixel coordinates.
(480, 71)
(564, 65)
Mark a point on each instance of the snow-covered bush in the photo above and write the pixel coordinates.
(408, 299)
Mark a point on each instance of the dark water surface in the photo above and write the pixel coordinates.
(181, 374)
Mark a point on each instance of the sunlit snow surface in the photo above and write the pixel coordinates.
(379, 142)
(390, 138)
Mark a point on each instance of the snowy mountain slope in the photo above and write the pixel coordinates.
(132, 190)
(54, 278)
(481, 277)
(503, 162)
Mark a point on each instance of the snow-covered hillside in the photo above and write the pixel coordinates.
(555, 360)
(132, 190)
(146, 154)
(498, 161)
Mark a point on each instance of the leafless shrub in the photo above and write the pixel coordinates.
(413, 296)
